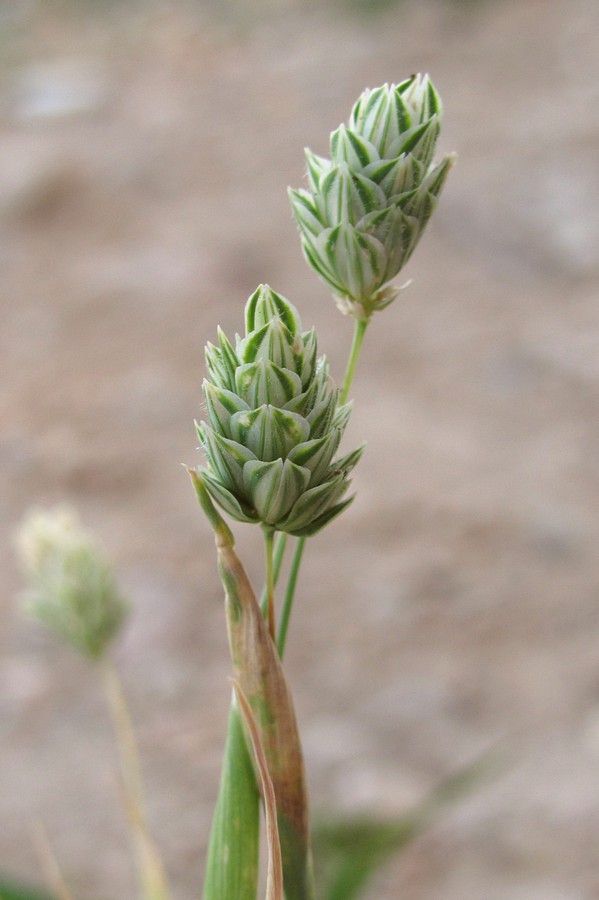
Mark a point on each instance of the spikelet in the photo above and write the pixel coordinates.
(367, 205)
(274, 423)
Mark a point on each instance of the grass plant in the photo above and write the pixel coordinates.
(271, 440)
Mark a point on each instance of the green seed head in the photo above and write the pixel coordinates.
(71, 588)
(274, 423)
(367, 205)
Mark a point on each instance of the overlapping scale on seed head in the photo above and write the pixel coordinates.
(274, 423)
(368, 203)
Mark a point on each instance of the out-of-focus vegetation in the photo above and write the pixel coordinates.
(10, 890)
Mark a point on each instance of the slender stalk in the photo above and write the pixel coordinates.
(270, 580)
(280, 542)
(150, 872)
(360, 326)
(289, 594)
(50, 865)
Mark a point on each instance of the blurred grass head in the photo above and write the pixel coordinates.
(71, 588)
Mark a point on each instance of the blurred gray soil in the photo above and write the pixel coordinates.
(146, 149)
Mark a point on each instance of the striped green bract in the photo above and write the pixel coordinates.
(274, 423)
(367, 205)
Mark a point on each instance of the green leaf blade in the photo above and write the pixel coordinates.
(232, 861)
(12, 890)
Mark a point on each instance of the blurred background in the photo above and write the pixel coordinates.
(146, 148)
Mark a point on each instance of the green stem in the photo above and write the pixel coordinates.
(270, 579)
(280, 543)
(289, 594)
(360, 326)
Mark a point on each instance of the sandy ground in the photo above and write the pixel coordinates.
(145, 155)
